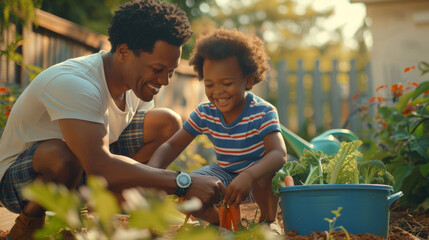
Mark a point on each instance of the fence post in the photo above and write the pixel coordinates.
(317, 96)
(353, 82)
(335, 98)
(283, 92)
(300, 98)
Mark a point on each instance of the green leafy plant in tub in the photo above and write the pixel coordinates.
(344, 167)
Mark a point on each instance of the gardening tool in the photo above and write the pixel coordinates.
(326, 142)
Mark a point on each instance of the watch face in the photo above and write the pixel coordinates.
(183, 180)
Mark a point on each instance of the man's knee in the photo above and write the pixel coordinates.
(163, 121)
(55, 162)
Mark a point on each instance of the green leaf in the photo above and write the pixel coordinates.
(342, 168)
(52, 227)
(421, 145)
(56, 198)
(197, 234)
(420, 101)
(423, 87)
(424, 169)
(403, 100)
(400, 172)
(424, 67)
(401, 135)
(103, 201)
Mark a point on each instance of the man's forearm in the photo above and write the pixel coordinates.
(122, 173)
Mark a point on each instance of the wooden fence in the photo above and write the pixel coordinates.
(52, 41)
(312, 101)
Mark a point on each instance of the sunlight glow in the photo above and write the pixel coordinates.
(347, 17)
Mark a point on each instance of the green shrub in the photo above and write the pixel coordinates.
(398, 135)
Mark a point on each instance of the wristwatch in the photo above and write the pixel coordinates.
(183, 181)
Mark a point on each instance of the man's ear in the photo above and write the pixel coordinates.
(123, 52)
(250, 81)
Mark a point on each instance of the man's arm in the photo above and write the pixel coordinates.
(90, 144)
(169, 150)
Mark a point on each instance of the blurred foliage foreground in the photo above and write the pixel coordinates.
(150, 215)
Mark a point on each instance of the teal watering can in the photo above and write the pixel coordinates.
(326, 142)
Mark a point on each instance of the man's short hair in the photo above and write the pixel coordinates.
(140, 23)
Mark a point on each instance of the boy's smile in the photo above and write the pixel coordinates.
(222, 102)
(225, 86)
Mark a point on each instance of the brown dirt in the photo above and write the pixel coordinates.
(403, 225)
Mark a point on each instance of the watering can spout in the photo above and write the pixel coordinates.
(325, 142)
(297, 143)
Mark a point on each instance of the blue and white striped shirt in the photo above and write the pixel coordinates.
(240, 144)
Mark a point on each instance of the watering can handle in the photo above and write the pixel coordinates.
(394, 197)
(339, 132)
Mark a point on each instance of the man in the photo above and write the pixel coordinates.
(85, 117)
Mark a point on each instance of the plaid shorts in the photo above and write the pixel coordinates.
(224, 176)
(21, 172)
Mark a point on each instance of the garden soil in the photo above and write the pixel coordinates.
(404, 225)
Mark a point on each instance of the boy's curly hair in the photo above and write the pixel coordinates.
(140, 23)
(223, 43)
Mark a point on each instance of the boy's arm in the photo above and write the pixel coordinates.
(169, 150)
(275, 157)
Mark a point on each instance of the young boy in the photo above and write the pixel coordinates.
(243, 128)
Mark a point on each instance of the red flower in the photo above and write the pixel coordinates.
(356, 96)
(408, 109)
(372, 99)
(426, 93)
(409, 68)
(413, 83)
(397, 90)
(384, 123)
(3, 90)
(7, 114)
(381, 99)
(8, 108)
(380, 87)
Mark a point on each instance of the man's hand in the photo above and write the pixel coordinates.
(238, 189)
(207, 188)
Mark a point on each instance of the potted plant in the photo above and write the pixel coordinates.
(324, 183)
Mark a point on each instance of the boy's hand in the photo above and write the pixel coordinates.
(238, 189)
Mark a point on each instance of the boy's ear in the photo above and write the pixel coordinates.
(250, 80)
(123, 52)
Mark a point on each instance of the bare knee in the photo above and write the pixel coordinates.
(264, 182)
(54, 161)
(161, 124)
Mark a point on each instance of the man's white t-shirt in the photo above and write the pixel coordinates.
(74, 89)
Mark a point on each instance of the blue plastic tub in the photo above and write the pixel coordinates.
(365, 207)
